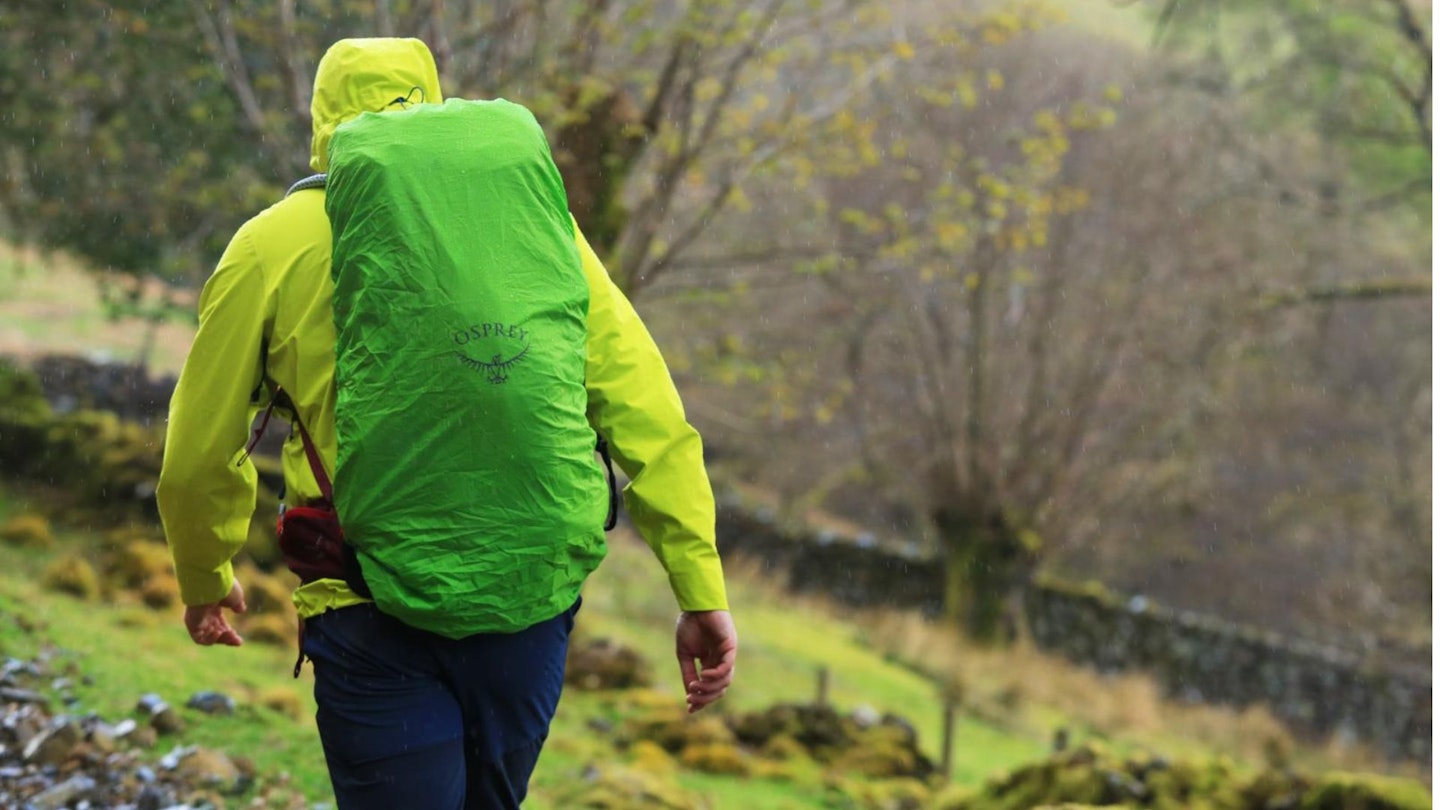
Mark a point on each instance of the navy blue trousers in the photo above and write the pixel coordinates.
(412, 719)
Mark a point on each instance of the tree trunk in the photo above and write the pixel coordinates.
(985, 561)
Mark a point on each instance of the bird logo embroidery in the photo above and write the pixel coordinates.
(497, 368)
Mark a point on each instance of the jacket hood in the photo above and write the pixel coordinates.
(367, 75)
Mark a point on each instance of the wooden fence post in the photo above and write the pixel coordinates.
(947, 739)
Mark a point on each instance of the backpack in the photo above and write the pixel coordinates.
(465, 478)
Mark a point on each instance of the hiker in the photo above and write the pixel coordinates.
(415, 707)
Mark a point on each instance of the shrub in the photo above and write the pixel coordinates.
(715, 757)
(138, 562)
(160, 591)
(269, 628)
(30, 530)
(73, 575)
(284, 700)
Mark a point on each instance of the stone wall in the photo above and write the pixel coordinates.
(74, 383)
(1317, 690)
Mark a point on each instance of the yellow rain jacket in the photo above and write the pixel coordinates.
(266, 314)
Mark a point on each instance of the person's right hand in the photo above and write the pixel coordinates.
(709, 637)
(207, 624)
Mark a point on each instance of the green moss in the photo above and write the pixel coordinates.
(715, 757)
(74, 575)
(1347, 791)
(30, 530)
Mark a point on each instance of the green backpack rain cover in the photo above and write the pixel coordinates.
(466, 477)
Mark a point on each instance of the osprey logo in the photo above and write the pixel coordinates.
(505, 344)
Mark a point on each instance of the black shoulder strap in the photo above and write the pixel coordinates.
(313, 181)
(603, 448)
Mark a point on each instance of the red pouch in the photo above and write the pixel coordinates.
(312, 542)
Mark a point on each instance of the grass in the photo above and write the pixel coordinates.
(128, 651)
(1011, 700)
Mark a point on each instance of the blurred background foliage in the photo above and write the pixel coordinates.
(1133, 291)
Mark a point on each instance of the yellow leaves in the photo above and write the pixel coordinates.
(1001, 28)
(972, 280)
(951, 235)
(994, 80)
(739, 200)
(804, 169)
(1083, 117)
(966, 93)
(818, 267)
(1048, 122)
(1069, 199)
(708, 89)
(904, 50)
(1113, 93)
(862, 221)
(993, 187)
(935, 97)
(869, 155)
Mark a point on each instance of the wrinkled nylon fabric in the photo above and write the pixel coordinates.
(265, 315)
(465, 477)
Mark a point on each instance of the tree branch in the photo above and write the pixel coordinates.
(1351, 291)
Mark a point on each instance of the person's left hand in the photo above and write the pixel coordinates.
(709, 638)
(207, 624)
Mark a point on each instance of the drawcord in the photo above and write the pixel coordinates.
(300, 642)
(404, 101)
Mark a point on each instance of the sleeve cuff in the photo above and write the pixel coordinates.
(699, 590)
(205, 587)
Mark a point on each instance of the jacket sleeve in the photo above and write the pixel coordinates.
(206, 492)
(635, 407)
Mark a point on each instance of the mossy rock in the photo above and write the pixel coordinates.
(74, 575)
(261, 544)
(160, 592)
(138, 562)
(267, 593)
(1272, 788)
(878, 761)
(621, 788)
(1347, 791)
(648, 756)
(1088, 775)
(821, 729)
(284, 700)
(605, 664)
(881, 794)
(101, 459)
(674, 730)
(782, 748)
(955, 797)
(270, 628)
(21, 392)
(24, 420)
(28, 530)
(720, 758)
